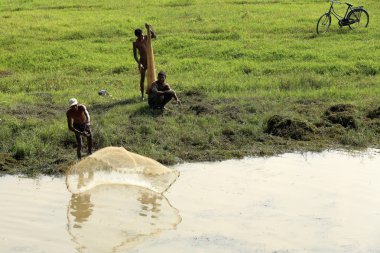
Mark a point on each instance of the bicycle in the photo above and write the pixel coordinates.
(355, 17)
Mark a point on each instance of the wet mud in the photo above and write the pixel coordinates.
(374, 114)
(289, 128)
(342, 114)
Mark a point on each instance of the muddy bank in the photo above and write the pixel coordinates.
(203, 128)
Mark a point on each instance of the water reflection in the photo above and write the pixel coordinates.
(150, 204)
(81, 208)
(111, 218)
(84, 178)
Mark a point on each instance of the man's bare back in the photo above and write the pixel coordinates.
(140, 45)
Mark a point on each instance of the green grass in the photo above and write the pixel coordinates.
(233, 63)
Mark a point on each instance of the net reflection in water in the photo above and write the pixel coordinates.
(115, 218)
(116, 165)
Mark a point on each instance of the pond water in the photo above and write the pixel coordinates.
(325, 202)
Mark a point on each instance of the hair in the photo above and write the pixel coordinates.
(161, 73)
(138, 32)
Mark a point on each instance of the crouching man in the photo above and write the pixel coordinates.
(78, 121)
(160, 93)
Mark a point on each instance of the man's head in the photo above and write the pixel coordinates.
(73, 103)
(138, 32)
(161, 76)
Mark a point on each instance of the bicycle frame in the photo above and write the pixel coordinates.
(335, 14)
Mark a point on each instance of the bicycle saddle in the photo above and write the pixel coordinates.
(349, 4)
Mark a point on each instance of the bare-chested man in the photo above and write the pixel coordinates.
(78, 121)
(140, 46)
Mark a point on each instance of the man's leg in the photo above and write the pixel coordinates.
(89, 144)
(89, 139)
(79, 145)
(142, 80)
(151, 102)
(158, 102)
(168, 95)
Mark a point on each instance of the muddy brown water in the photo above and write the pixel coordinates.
(326, 202)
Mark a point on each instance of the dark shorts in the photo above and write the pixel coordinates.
(81, 128)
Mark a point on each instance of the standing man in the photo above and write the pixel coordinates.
(140, 46)
(78, 121)
(161, 93)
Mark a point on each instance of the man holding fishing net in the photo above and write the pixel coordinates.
(140, 45)
(78, 121)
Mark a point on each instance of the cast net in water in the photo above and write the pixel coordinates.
(116, 165)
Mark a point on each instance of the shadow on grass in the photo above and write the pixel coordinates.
(142, 111)
(62, 7)
(147, 111)
(107, 106)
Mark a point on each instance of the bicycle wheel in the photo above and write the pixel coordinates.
(358, 18)
(324, 23)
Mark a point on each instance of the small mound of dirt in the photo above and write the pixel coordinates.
(289, 128)
(374, 125)
(201, 109)
(192, 93)
(344, 119)
(4, 73)
(229, 134)
(341, 108)
(342, 114)
(231, 112)
(374, 114)
(191, 96)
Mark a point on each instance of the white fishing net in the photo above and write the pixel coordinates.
(116, 165)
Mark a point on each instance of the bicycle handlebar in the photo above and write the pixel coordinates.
(334, 2)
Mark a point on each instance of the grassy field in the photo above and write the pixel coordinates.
(234, 64)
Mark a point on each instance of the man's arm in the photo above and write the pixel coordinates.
(70, 124)
(135, 53)
(167, 87)
(154, 89)
(140, 66)
(153, 34)
(176, 97)
(150, 29)
(87, 115)
(87, 123)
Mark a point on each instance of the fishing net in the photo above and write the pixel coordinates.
(116, 165)
(150, 60)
